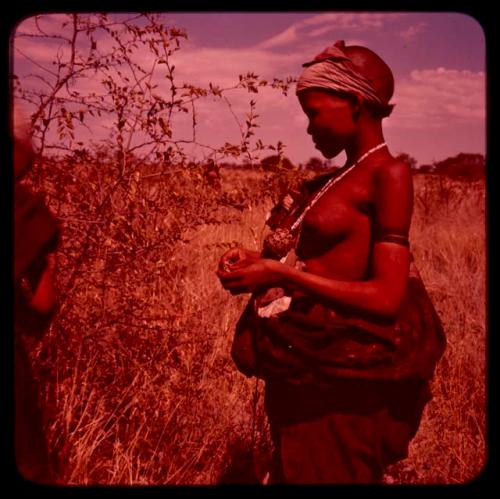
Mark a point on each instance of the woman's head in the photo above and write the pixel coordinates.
(378, 73)
(349, 82)
(332, 119)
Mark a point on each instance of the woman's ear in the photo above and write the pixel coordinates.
(356, 102)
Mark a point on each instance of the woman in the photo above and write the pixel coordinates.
(343, 396)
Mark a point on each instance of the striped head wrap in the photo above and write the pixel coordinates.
(334, 70)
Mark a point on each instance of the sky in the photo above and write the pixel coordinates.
(438, 61)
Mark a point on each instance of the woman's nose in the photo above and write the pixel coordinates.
(309, 129)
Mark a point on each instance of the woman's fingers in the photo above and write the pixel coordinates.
(240, 264)
(232, 255)
(228, 277)
(236, 281)
(237, 258)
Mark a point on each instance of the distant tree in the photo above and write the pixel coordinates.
(276, 162)
(211, 172)
(329, 163)
(425, 169)
(315, 164)
(410, 160)
(463, 166)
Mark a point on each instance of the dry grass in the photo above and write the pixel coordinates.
(448, 238)
(159, 402)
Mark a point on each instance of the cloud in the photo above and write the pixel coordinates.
(412, 31)
(439, 97)
(221, 66)
(351, 20)
(430, 98)
(284, 38)
(198, 66)
(40, 51)
(319, 25)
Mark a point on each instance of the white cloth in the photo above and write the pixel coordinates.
(275, 299)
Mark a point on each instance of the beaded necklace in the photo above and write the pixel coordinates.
(279, 242)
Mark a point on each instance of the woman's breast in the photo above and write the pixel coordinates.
(335, 243)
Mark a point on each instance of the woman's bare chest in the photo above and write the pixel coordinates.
(343, 208)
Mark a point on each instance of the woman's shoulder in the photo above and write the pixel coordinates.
(393, 170)
(393, 166)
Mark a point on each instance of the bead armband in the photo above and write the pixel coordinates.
(392, 237)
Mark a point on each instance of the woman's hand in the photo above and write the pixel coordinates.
(237, 255)
(245, 276)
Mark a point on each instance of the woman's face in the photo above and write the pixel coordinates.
(331, 122)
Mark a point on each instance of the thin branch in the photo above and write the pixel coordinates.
(138, 83)
(35, 63)
(40, 78)
(194, 121)
(102, 25)
(50, 98)
(37, 20)
(234, 115)
(73, 50)
(32, 35)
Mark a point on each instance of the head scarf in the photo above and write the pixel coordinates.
(334, 70)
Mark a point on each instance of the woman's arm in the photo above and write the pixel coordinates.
(389, 266)
(380, 295)
(390, 261)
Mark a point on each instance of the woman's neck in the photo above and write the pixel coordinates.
(366, 138)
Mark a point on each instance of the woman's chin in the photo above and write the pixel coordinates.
(320, 149)
(327, 152)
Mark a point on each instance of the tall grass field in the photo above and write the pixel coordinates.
(135, 369)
